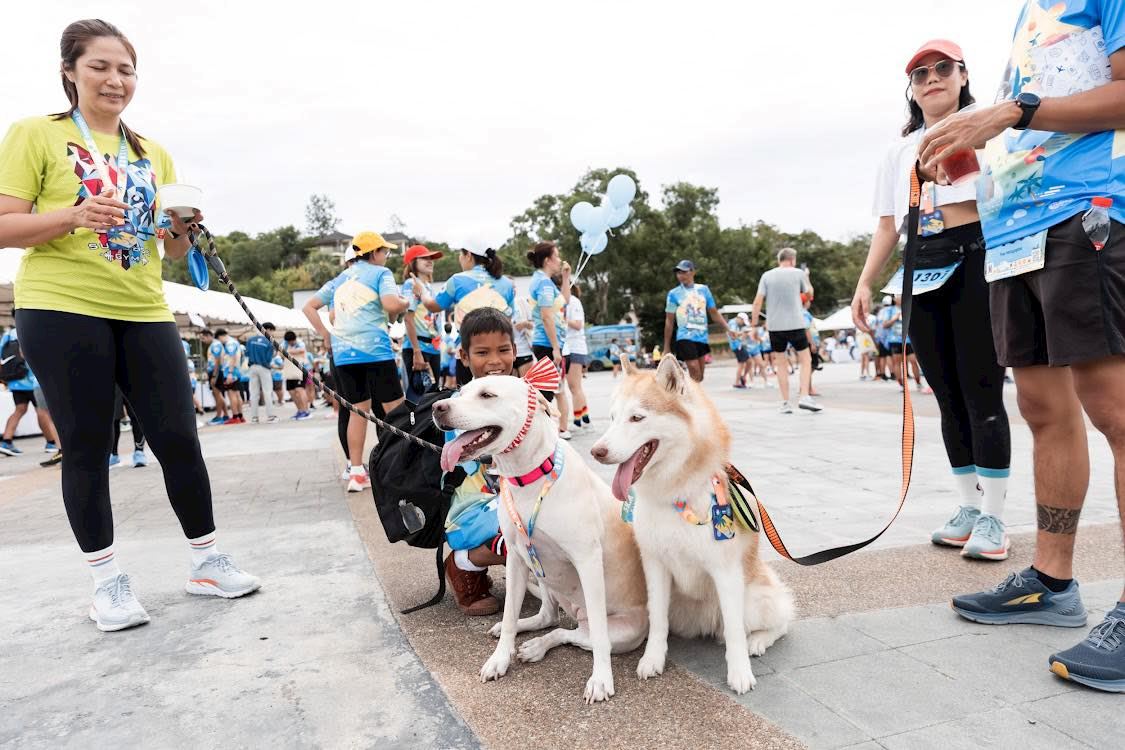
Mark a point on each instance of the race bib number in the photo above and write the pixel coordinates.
(925, 280)
(1016, 258)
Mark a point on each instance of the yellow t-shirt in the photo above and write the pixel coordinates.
(115, 276)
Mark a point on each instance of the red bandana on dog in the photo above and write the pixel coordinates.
(543, 376)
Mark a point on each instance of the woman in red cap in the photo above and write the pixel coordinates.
(421, 349)
(950, 326)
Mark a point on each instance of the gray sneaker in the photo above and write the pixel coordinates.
(219, 576)
(1098, 661)
(785, 408)
(958, 529)
(115, 606)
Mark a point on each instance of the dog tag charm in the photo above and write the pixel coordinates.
(628, 506)
(722, 522)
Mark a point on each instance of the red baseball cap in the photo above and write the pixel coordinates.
(414, 252)
(944, 46)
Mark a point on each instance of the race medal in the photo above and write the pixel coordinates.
(722, 522)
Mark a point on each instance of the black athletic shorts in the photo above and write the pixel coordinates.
(882, 350)
(521, 361)
(374, 381)
(292, 385)
(742, 355)
(24, 397)
(222, 386)
(899, 349)
(686, 351)
(1070, 311)
(798, 338)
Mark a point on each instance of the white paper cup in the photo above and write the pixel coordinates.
(183, 199)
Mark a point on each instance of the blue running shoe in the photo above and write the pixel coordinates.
(139, 459)
(8, 449)
(50, 447)
(1098, 661)
(989, 540)
(1023, 599)
(958, 529)
(114, 460)
(217, 420)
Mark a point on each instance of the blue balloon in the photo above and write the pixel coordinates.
(619, 216)
(586, 241)
(601, 242)
(581, 214)
(621, 190)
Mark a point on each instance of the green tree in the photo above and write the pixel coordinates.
(320, 215)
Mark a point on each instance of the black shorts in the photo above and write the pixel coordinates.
(370, 381)
(24, 397)
(897, 349)
(798, 338)
(292, 385)
(882, 350)
(686, 351)
(742, 355)
(1070, 311)
(543, 352)
(521, 361)
(278, 385)
(222, 386)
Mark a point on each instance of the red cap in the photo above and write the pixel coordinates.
(414, 252)
(944, 46)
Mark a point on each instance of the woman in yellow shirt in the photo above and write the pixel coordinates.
(78, 189)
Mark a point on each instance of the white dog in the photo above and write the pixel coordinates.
(588, 555)
(671, 443)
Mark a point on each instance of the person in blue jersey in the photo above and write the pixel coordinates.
(421, 347)
(212, 353)
(548, 303)
(686, 311)
(259, 354)
(480, 283)
(364, 299)
(736, 334)
(192, 378)
(1053, 151)
(23, 393)
(229, 373)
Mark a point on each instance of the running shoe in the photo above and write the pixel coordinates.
(577, 424)
(1098, 661)
(8, 449)
(359, 482)
(254, 420)
(235, 420)
(785, 408)
(347, 473)
(808, 404)
(55, 459)
(565, 434)
(50, 447)
(272, 420)
(219, 576)
(301, 415)
(989, 540)
(739, 385)
(115, 606)
(114, 460)
(958, 529)
(217, 420)
(139, 459)
(1022, 598)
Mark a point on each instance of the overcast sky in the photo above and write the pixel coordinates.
(456, 115)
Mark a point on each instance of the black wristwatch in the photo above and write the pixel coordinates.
(1029, 103)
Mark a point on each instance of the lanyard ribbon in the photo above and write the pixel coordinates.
(529, 530)
(100, 160)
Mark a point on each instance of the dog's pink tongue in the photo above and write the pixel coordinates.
(451, 452)
(623, 479)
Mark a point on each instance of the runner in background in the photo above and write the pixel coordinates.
(229, 373)
(294, 378)
(615, 356)
(191, 376)
(450, 345)
(243, 374)
(259, 353)
(780, 289)
(576, 355)
(686, 310)
(739, 337)
(548, 301)
(213, 351)
(23, 392)
(950, 326)
(421, 348)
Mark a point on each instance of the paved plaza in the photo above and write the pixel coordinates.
(321, 657)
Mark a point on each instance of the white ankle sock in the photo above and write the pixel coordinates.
(966, 477)
(462, 561)
(202, 547)
(102, 564)
(995, 485)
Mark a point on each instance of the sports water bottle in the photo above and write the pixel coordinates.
(1096, 222)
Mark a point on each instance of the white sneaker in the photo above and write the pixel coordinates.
(565, 435)
(219, 576)
(808, 404)
(347, 473)
(359, 482)
(785, 408)
(115, 607)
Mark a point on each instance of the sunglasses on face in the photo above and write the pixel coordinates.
(944, 69)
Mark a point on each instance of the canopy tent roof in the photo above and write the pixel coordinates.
(837, 321)
(189, 304)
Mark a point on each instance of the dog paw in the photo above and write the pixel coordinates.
(494, 631)
(598, 688)
(533, 650)
(650, 666)
(496, 667)
(758, 641)
(740, 678)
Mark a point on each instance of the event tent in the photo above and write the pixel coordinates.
(837, 321)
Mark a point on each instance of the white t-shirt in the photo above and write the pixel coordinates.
(575, 339)
(892, 186)
(522, 314)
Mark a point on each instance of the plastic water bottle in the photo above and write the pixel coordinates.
(1096, 222)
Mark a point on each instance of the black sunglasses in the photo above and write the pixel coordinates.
(944, 69)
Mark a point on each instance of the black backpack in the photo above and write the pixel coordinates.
(12, 366)
(411, 495)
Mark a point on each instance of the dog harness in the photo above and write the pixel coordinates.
(509, 502)
(543, 376)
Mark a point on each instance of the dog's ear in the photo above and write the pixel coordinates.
(548, 407)
(670, 374)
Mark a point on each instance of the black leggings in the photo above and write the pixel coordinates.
(951, 330)
(138, 431)
(78, 360)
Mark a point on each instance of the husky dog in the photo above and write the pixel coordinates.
(586, 553)
(703, 574)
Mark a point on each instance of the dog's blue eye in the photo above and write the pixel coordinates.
(637, 418)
